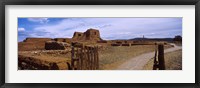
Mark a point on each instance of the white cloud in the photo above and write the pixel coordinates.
(112, 28)
(21, 29)
(40, 20)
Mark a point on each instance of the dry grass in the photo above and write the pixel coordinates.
(113, 56)
(173, 61)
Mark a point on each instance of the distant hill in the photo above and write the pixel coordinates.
(155, 39)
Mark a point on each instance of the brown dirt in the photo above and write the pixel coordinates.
(43, 60)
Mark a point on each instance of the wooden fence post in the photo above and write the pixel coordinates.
(92, 58)
(72, 56)
(155, 65)
(88, 54)
(97, 58)
(84, 57)
(161, 57)
(77, 59)
(81, 57)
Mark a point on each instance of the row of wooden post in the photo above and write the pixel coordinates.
(160, 62)
(84, 58)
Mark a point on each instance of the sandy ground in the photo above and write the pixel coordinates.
(137, 63)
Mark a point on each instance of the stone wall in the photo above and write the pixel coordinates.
(68, 40)
(32, 44)
(36, 39)
(54, 45)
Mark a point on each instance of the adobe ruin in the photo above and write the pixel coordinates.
(78, 36)
(91, 35)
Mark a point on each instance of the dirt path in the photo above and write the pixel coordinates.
(138, 62)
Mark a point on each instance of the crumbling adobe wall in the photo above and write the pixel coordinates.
(32, 44)
(68, 40)
(39, 43)
(37, 39)
(91, 35)
(78, 36)
(53, 45)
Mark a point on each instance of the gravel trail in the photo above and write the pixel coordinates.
(138, 62)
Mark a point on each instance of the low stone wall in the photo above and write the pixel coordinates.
(68, 40)
(103, 41)
(115, 44)
(37, 39)
(126, 44)
(53, 45)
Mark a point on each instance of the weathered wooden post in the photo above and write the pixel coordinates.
(155, 65)
(88, 54)
(78, 59)
(161, 60)
(97, 58)
(84, 58)
(72, 56)
(81, 57)
(92, 58)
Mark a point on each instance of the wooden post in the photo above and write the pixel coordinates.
(94, 61)
(72, 56)
(77, 59)
(83, 55)
(86, 58)
(81, 58)
(88, 54)
(155, 65)
(92, 58)
(97, 58)
(161, 60)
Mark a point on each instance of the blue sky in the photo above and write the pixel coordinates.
(110, 28)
